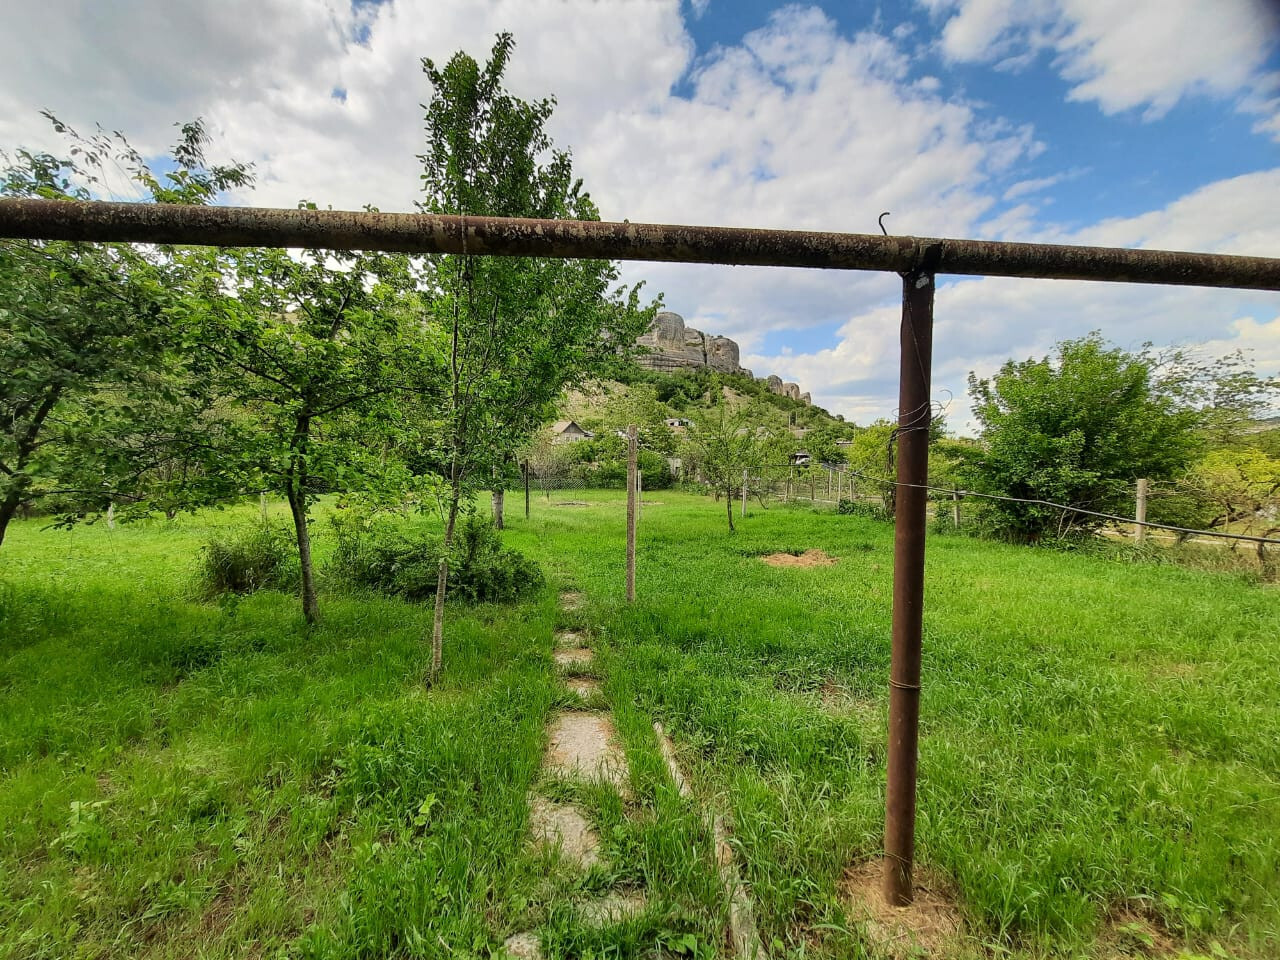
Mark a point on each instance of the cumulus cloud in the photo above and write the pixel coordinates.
(1141, 53)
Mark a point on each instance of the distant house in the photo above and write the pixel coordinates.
(801, 458)
(844, 444)
(566, 431)
(678, 424)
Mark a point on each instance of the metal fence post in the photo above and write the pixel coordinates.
(914, 414)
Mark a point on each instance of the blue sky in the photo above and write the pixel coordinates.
(1145, 123)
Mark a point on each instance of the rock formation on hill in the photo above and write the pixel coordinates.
(670, 345)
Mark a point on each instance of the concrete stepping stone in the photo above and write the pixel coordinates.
(584, 687)
(570, 639)
(573, 657)
(571, 600)
(562, 825)
(585, 745)
(524, 946)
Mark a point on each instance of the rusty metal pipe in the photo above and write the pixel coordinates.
(914, 416)
(495, 236)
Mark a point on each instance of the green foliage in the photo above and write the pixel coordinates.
(516, 330)
(93, 389)
(1077, 428)
(610, 471)
(244, 560)
(867, 509)
(726, 448)
(405, 562)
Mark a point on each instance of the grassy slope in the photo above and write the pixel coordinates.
(181, 777)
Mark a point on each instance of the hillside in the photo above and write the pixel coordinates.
(638, 395)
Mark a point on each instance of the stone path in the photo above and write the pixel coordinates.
(582, 745)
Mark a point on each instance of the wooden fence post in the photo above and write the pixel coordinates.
(631, 514)
(955, 508)
(1140, 514)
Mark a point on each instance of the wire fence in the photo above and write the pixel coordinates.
(830, 485)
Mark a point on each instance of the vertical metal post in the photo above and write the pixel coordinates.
(744, 491)
(526, 489)
(631, 514)
(1140, 514)
(914, 414)
(955, 509)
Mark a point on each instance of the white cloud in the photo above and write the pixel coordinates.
(1140, 53)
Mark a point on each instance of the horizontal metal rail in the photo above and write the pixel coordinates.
(509, 237)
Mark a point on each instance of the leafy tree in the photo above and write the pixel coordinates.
(91, 380)
(516, 331)
(1227, 394)
(1243, 487)
(725, 446)
(303, 361)
(870, 457)
(1078, 428)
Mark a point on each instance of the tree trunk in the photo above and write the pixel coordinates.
(8, 507)
(728, 504)
(26, 444)
(499, 499)
(442, 586)
(298, 507)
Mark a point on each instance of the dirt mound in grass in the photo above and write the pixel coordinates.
(810, 558)
(931, 926)
(1131, 931)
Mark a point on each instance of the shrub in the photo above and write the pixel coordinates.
(391, 560)
(262, 557)
(867, 509)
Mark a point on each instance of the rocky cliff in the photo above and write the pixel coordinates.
(670, 345)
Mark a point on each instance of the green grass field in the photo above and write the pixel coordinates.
(1100, 747)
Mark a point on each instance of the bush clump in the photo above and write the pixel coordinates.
(388, 559)
(262, 557)
(867, 509)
